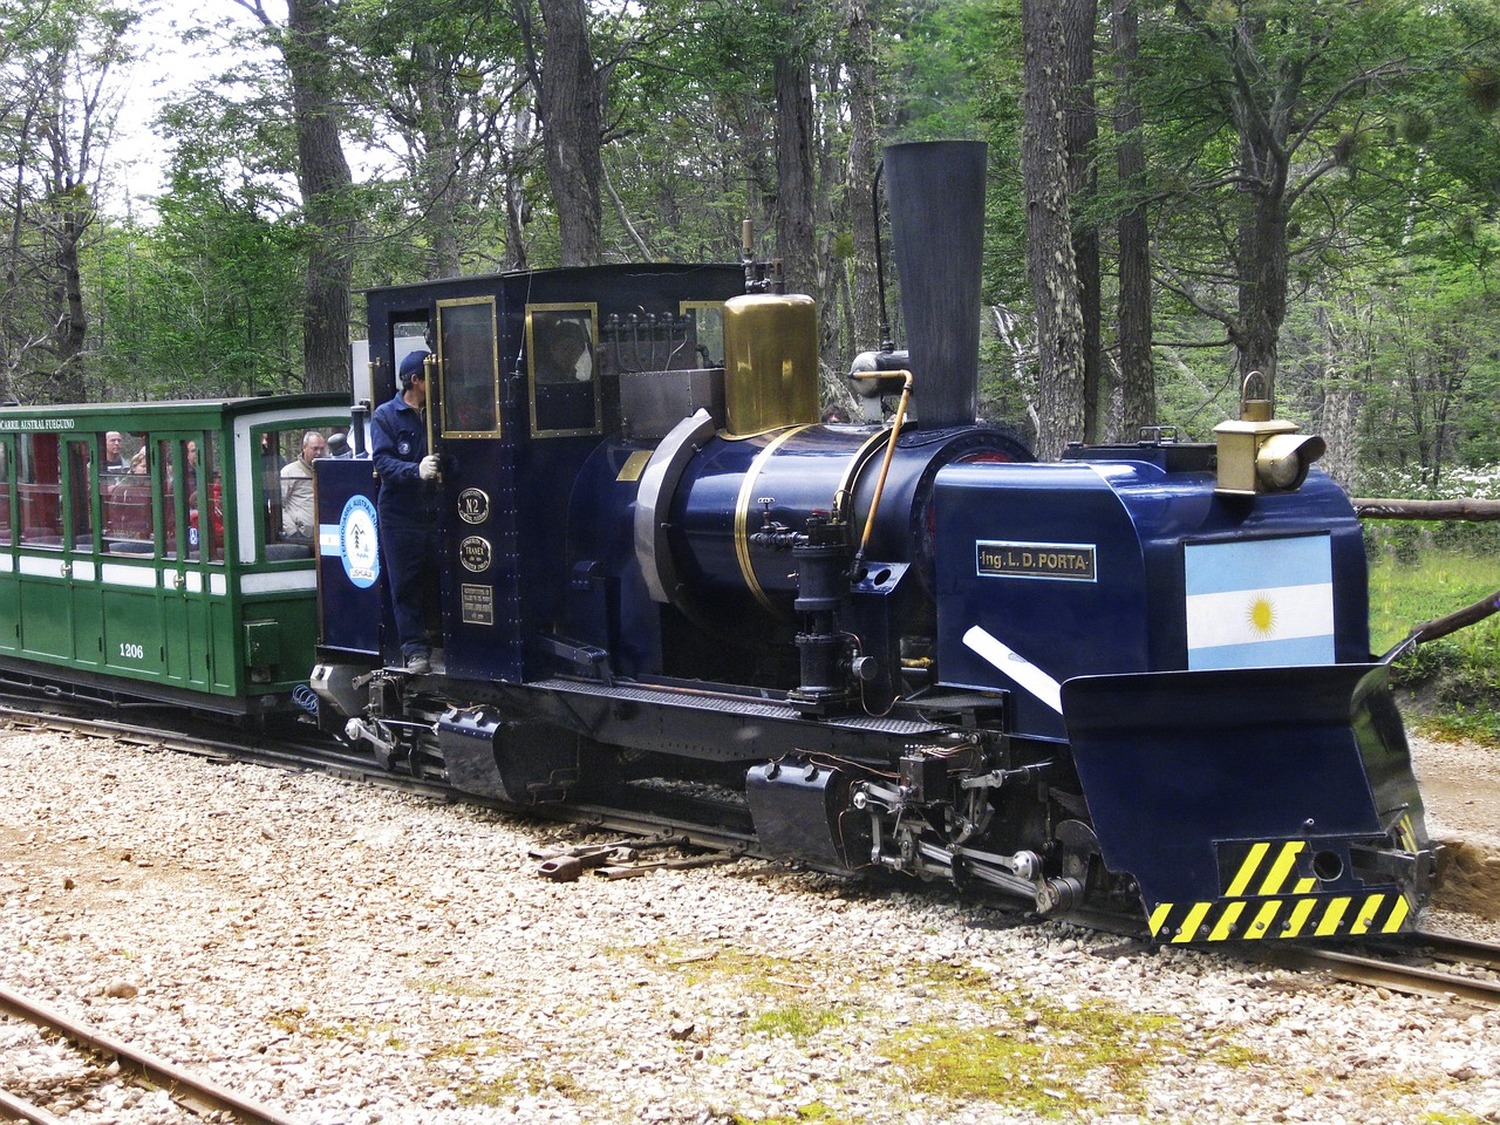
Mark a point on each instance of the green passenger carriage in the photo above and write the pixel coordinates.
(165, 571)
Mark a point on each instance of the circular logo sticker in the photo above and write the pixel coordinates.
(474, 553)
(359, 545)
(473, 505)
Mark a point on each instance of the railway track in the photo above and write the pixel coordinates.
(1422, 963)
(126, 1063)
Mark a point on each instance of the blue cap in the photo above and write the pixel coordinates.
(411, 366)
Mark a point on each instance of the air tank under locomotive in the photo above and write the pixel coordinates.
(1137, 678)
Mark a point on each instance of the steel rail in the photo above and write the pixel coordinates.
(13, 1108)
(1451, 947)
(190, 1089)
(1380, 964)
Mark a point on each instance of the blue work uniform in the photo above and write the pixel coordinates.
(408, 509)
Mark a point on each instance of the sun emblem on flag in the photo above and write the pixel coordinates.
(1262, 615)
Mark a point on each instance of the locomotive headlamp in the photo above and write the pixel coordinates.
(1258, 453)
(1282, 462)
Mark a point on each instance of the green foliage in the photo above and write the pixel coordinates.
(1454, 682)
(203, 302)
(61, 81)
(1388, 343)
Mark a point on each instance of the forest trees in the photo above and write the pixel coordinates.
(1269, 184)
(60, 69)
(306, 45)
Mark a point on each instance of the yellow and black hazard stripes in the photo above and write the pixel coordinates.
(1267, 868)
(1287, 916)
(1404, 834)
(1281, 889)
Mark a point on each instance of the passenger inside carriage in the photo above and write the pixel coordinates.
(127, 508)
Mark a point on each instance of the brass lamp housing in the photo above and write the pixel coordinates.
(1259, 454)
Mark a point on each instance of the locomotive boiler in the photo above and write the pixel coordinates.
(1137, 679)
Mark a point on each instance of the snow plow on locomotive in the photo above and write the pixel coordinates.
(1136, 680)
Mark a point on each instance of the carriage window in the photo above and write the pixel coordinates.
(287, 511)
(40, 490)
(7, 530)
(83, 456)
(470, 374)
(561, 342)
(181, 475)
(128, 523)
(206, 521)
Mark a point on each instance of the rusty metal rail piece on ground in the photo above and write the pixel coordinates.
(190, 1089)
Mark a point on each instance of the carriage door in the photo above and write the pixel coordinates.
(10, 589)
(85, 590)
(188, 534)
(44, 567)
(477, 486)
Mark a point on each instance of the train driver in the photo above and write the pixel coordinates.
(407, 508)
(297, 517)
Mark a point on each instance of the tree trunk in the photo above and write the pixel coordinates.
(1262, 272)
(863, 159)
(568, 101)
(438, 167)
(324, 178)
(1049, 247)
(68, 383)
(1262, 115)
(1081, 130)
(1137, 371)
(794, 159)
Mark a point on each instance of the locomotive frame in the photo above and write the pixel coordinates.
(1138, 679)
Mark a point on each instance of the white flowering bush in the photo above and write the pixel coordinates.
(1455, 483)
(1407, 539)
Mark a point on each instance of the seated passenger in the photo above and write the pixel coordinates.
(298, 520)
(114, 460)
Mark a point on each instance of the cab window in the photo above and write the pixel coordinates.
(562, 342)
(469, 393)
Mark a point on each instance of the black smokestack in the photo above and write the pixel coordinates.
(935, 191)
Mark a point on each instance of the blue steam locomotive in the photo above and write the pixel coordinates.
(1138, 679)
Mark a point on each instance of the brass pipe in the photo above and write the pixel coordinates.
(885, 465)
(429, 368)
(374, 375)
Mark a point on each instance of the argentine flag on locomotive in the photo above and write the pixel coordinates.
(1259, 603)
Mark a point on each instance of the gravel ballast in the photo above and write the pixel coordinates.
(349, 955)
